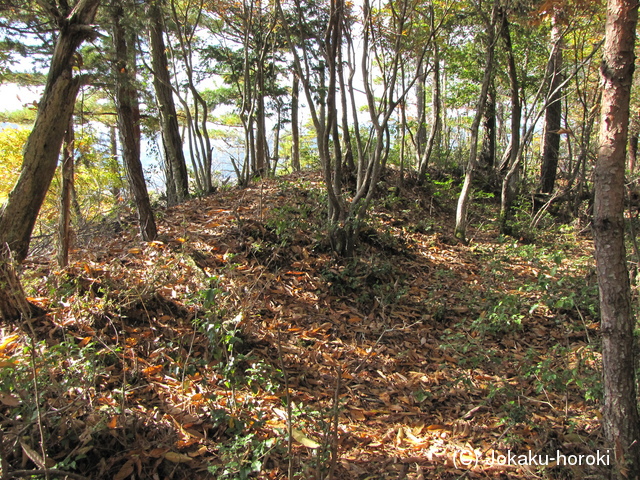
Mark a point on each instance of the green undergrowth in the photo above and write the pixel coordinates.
(150, 352)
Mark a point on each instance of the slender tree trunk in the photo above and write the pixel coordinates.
(553, 114)
(620, 412)
(64, 222)
(421, 99)
(465, 194)
(129, 121)
(295, 129)
(171, 138)
(41, 152)
(200, 107)
(276, 139)
(436, 102)
(262, 166)
(487, 157)
(349, 163)
(169, 176)
(513, 154)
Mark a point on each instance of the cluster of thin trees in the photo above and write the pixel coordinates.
(507, 90)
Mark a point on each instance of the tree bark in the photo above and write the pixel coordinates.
(20, 212)
(512, 155)
(553, 113)
(129, 121)
(436, 102)
(620, 411)
(295, 129)
(487, 157)
(262, 149)
(177, 181)
(13, 302)
(64, 222)
(421, 99)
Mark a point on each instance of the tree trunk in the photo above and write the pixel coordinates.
(41, 152)
(487, 157)
(512, 155)
(129, 121)
(262, 149)
(436, 102)
(349, 163)
(13, 302)
(553, 113)
(463, 200)
(64, 231)
(171, 138)
(295, 129)
(200, 109)
(421, 133)
(620, 412)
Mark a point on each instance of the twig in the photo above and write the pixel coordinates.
(36, 394)
(586, 330)
(186, 360)
(289, 414)
(336, 423)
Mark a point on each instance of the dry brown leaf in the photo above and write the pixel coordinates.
(175, 457)
(125, 471)
(303, 439)
(9, 400)
(36, 457)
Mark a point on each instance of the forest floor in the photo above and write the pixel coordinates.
(419, 358)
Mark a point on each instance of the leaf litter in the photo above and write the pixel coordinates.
(192, 356)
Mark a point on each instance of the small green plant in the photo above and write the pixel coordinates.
(564, 368)
(515, 413)
(242, 457)
(503, 316)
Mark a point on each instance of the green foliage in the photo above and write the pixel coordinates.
(561, 368)
(24, 116)
(99, 181)
(242, 457)
(12, 141)
(287, 221)
(504, 315)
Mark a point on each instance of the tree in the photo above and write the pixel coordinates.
(19, 214)
(620, 413)
(176, 167)
(128, 108)
(511, 155)
(187, 19)
(66, 190)
(553, 113)
(424, 154)
(295, 129)
(463, 200)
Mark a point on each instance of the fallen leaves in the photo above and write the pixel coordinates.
(393, 330)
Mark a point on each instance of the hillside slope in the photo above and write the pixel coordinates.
(418, 358)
